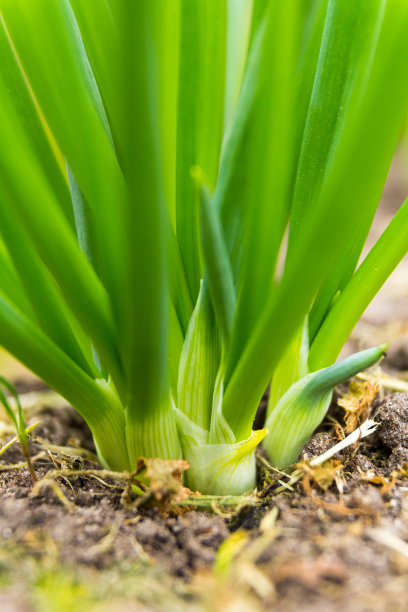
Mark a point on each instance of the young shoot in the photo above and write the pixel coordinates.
(17, 418)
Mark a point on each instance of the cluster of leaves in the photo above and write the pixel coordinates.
(186, 189)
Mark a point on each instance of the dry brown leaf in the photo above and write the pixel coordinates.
(344, 510)
(387, 484)
(357, 403)
(163, 484)
(322, 475)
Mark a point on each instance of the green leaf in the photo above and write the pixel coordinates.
(360, 290)
(46, 301)
(199, 363)
(200, 114)
(239, 14)
(10, 283)
(218, 267)
(291, 367)
(179, 291)
(144, 333)
(85, 222)
(26, 106)
(268, 151)
(230, 194)
(303, 407)
(216, 468)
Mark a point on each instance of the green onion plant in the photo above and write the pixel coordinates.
(186, 189)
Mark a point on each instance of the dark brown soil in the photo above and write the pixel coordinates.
(323, 549)
(97, 530)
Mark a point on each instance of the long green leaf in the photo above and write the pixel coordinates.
(46, 301)
(218, 267)
(239, 14)
(145, 329)
(267, 171)
(200, 114)
(25, 104)
(11, 285)
(358, 293)
(199, 363)
(335, 93)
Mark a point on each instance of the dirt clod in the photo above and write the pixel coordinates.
(393, 418)
(317, 445)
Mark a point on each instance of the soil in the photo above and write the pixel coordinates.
(329, 545)
(95, 509)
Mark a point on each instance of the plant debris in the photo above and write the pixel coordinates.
(161, 484)
(357, 403)
(322, 475)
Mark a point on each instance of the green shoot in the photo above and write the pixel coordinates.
(17, 419)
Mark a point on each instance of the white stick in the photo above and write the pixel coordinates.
(367, 428)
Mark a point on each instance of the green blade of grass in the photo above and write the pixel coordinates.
(46, 301)
(268, 171)
(145, 329)
(26, 106)
(200, 113)
(218, 267)
(17, 419)
(11, 285)
(360, 290)
(18, 422)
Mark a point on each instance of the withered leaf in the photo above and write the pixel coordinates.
(163, 484)
(357, 403)
(322, 475)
